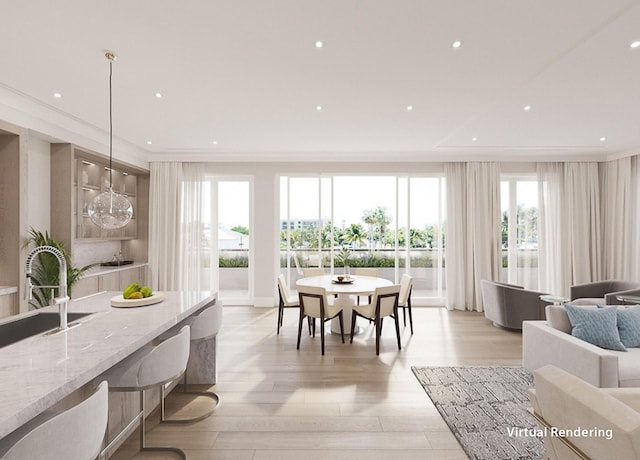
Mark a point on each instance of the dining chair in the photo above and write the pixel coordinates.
(287, 299)
(365, 271)
(404, 301)
(313, 272)
(315, 304)
(385, 303)
(74, 434)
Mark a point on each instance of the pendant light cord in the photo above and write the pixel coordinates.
(110, 128)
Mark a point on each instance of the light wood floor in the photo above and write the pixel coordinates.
(279, 403)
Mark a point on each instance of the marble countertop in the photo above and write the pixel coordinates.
(98, 270)
(5, 290)
(37, 372)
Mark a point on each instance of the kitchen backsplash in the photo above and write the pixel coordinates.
(85, 253)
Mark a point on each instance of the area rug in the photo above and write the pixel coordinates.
(486, 409)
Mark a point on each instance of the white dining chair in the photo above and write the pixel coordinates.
(313, 272)
(315, 304)
(365, 271)
(404, 301)
(385, 303)
(74, 434)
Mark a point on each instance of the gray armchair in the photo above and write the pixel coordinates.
(508, 305)
(602, 292)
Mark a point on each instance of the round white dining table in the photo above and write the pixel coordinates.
(346, 292)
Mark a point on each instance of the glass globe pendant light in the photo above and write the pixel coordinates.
(110, 210)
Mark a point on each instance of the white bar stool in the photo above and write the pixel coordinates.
(151, 366)
(204, 326)
(48, 434)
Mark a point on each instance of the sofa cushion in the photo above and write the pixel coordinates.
(629, 326)
(588, 301)
(596, 326)
(557, 318)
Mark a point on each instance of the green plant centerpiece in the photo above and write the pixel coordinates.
(45, 269)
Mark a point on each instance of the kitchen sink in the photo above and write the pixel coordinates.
(29, 326)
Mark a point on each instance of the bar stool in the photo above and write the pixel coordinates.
(204, 326)
(47, 435)
(151, 366)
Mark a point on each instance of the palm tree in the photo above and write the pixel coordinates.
(355, 235)
(369, 218)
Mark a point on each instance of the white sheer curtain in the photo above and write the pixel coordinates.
(473, 231)
(176, 226)
(553, 244)
(620, 218)
(570, 249)
(193, 255)
(165, 196)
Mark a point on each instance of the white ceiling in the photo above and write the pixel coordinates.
(247, 74)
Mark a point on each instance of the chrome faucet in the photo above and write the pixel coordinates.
(62, 298)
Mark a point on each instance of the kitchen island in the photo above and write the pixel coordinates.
(38, 372)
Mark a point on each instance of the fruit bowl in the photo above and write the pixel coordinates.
(120, 302)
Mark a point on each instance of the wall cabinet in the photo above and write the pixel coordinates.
(79, 175)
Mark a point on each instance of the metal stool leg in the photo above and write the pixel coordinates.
(208, 394)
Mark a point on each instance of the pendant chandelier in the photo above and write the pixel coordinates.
(110, 210)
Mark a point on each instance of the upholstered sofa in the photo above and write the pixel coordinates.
(602, 292)
(543, 344)
(597, 422)
(508, 305)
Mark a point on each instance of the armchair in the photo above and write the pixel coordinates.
(602, 292)
(508, 305)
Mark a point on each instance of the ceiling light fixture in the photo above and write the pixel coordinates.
(149, 142)
(158, 95)
(457, 44)
(409, 108)
(474, 139)
(318, 108)
(319, 44)
(110, 210)
(57, 95)
(603, 138)
(527, 108)
(215, 142)
(635, 44)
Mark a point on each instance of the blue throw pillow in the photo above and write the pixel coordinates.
(629, 326)
(598, 327)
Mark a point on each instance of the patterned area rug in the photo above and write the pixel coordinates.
(483, 406)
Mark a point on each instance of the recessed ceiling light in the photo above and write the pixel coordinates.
(457, 44)
(603, 138)
(527, 108)
(319, 44)
(149, 142)
(318, 108)
(409, 108)
(635, 44)
(474, 139)
(57, 95)
(215, 142)
(158, 95)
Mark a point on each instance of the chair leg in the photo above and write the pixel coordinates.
(378, 322)
(410, 315)
(322, 334)
(353, 325)
(280, 317)
(208, 394)
(143, 447)
(395, 318)
(300, 327)
(404, 315)
(342, 326)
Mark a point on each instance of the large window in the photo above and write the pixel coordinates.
(391, 223)
(519, 205)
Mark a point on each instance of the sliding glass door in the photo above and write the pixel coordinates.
(392, 223)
